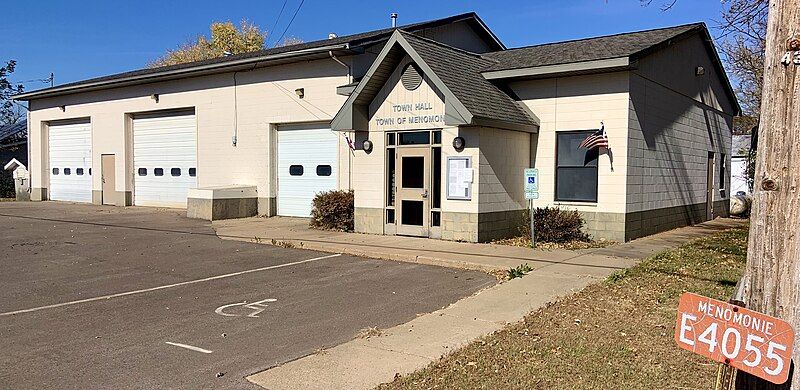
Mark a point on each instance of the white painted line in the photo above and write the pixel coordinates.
(192, 347)
(117, 295)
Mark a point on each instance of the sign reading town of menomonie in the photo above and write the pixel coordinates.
(422, 113)
(744, 339)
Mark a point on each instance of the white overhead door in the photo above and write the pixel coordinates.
(307, 161)
(164, 159)
(70, 154)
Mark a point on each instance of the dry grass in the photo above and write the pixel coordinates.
(613, 335)
(525, 242)
(8, 199)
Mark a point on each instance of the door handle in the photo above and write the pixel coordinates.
(425, 193)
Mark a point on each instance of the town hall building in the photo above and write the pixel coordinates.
(432, 125)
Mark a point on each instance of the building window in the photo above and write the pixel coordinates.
(79, 171)
(296, 170)
(415, 138)
(142, 171)
(576, 168)
(192, 172)
(324, 170)
(90, 171)
(158, 172)
(175, 171)
(722, 162)
(67, 171)
(55, 171)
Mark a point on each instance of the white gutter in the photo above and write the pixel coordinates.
(176, 72)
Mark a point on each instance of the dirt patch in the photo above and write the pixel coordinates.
(525, 242)
(615, 334)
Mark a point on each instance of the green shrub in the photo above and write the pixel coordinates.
(553, 224)
(333, 210)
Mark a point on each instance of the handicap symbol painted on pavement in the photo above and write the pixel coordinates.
(235, 309)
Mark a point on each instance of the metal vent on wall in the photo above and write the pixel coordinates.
(411, 77)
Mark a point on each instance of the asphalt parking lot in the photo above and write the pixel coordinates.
(98, 297)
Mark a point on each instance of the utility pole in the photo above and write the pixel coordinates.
(772, 278)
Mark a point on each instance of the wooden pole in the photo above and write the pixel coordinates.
(772, 278)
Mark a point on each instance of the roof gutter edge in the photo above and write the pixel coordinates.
(539, 71)
(50, 92)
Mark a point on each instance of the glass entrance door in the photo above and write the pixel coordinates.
(413, 192)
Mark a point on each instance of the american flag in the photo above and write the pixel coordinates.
(596, 139)
(350, 143)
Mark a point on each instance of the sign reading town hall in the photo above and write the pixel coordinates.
(409, 113)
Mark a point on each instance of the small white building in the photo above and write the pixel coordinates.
(740, 150)
(451, 116)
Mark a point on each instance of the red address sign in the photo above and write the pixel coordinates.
(747, 340)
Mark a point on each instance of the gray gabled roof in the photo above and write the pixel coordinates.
(589, 49)
(342, 43)
(461, 73)
(469, 98)
(601, 52)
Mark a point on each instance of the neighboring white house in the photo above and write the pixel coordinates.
(452, 118)
(740, 149)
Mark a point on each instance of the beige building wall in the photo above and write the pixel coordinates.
(250, 107)
(581, 103)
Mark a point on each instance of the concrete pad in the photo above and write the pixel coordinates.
(348, 366)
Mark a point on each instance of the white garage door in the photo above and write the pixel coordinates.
(164, 159)
(70, 151)
(307, 161)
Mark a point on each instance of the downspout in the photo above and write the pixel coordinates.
(349, 155)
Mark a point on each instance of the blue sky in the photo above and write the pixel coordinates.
(82, 39)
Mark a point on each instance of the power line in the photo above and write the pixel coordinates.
(269, 32)
(290, 22)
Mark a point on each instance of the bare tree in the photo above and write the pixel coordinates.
(9, 112)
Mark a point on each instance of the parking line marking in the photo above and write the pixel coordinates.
(192, 347)
(208, 279)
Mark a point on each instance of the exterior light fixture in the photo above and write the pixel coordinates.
(699, 71)
(367, 145)
(154, 97)
(301, 92)
(63, 108)
(459, 143)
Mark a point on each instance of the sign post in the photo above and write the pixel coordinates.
(744, 339)
(531, 193)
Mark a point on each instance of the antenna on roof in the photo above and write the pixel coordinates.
(394, 19)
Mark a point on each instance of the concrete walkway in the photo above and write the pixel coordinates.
(363, 363)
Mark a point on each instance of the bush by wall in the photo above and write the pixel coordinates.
(7, 185)
(555, 225)
(333, 210)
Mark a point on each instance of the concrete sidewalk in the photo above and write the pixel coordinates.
(485, 257)
(363, 363)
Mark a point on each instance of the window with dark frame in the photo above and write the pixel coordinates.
(192, 172)
(67, 171)
(576, 168)
(158, 172)
(79, 171)
(142, 171)
(324, 170)
(55, 171)
(296, 170)
(175, 172)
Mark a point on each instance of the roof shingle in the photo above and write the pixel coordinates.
(589, 49)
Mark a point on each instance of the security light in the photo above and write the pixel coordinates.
(367, 145)
(301, 92)
(459, 143)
